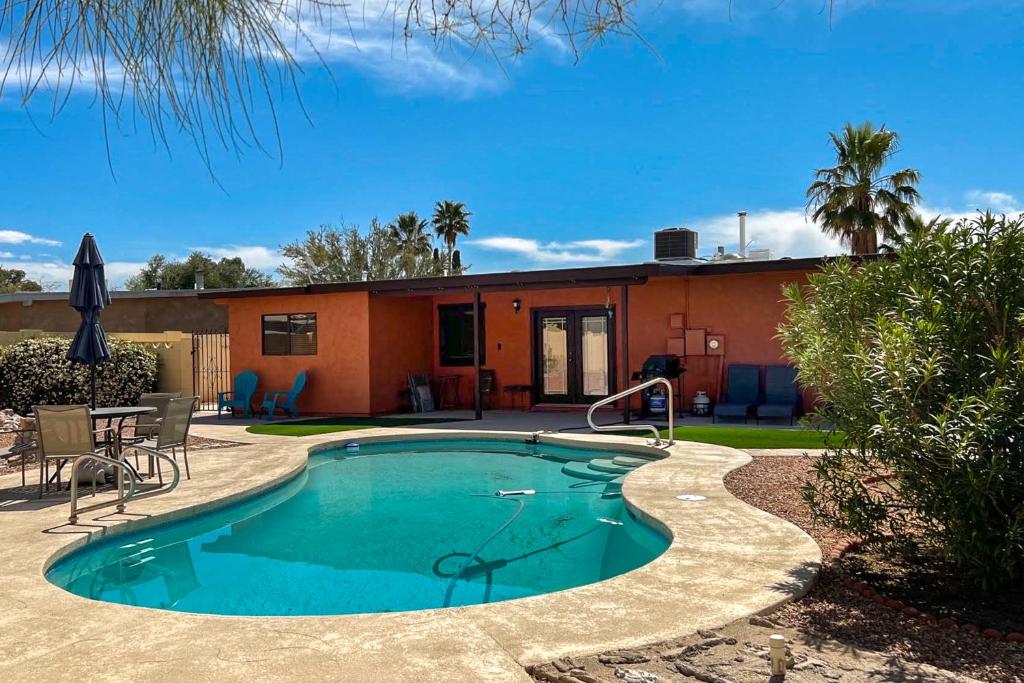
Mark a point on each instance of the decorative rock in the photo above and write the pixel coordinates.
(910, 612)
(947, 622)
(760, 621)
(584, 677)
(971, 628)
(1015, 637)
(992, 634)
(636, 676)
(706, 634)
(623, 657)
(565, 664)
(700, 674)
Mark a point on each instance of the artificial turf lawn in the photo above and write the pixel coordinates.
(734, 437)
(755, 437)
(326, 425)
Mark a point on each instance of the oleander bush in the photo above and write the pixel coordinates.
(37, 371)
(919, 360)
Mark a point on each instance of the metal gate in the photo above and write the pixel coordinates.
(211, 366)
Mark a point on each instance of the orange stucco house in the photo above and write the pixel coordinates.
(562, 337)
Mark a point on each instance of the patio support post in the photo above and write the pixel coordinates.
(625, 352)
(477, 395)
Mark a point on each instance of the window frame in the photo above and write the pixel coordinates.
(461, 362)
(289, 316)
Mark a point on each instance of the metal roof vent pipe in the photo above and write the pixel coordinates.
(200, 278)
(743, 234)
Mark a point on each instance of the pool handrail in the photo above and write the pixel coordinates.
(121, 499)
(630, 392)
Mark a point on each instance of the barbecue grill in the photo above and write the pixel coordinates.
(652, 400)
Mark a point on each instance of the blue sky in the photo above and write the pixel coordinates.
(562, 164)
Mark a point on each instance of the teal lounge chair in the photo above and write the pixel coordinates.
(270, 398)
(744, 387)
(241, 397)
(781, 395)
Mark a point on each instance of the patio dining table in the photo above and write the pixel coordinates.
(119, 413)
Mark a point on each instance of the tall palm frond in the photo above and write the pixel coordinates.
(450, 220)
(410, 232)
(855, 200)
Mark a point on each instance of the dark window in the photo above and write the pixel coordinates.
(289, 334)
(455, 325)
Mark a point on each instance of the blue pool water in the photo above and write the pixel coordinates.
(394, 526)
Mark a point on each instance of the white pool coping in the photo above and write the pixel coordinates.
(726, 560)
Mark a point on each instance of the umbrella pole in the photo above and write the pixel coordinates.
(92, 384)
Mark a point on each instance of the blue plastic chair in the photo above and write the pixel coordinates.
(241, 396)
(744, 387)
(270, 398)
(781, 396)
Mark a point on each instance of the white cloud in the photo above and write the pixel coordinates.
(369, 42)
(253, 256)
(578, 251)
(18, 237)
(787, 232)
(998, 202)
(6, 254)
(57, 273)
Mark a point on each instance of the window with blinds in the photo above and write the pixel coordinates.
(289, 334)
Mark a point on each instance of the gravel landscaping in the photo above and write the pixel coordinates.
(834, 633)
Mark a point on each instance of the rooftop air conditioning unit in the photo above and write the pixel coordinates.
(675, 243)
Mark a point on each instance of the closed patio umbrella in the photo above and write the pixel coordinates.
(88, 296)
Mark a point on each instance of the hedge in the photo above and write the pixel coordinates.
(37, 371)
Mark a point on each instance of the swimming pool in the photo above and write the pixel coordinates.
(386, 527)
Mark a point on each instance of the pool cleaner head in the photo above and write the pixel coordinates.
(517, 492)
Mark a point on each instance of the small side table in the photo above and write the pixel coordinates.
(514, 390)
(448, 391)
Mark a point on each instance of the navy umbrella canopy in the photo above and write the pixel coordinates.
(88, 296)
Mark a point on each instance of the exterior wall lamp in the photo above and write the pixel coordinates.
(516, 305)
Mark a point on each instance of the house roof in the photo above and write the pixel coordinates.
(596, 276)
(28, 297)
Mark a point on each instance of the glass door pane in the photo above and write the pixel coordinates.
(555, 356)
(594, 343)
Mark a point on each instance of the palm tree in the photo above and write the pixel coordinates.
(450, 220)
(854, 200)
(410, 233)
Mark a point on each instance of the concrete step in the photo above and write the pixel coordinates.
(631, 460)
(582, 470)
(610, 466)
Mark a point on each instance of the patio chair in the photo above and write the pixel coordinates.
(241, 396)
(24, 443)
(146, 426)
(172, 433)
(421, 396)
(743, 390)
(781, 396)
(64, 433)
(288, 407)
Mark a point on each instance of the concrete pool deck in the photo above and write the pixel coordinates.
(727, 560)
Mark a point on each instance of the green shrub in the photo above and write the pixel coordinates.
(37, 371)
(919, 359)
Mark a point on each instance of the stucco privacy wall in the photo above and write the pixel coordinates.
(173, 351)
(136, 314)
(339, 373)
